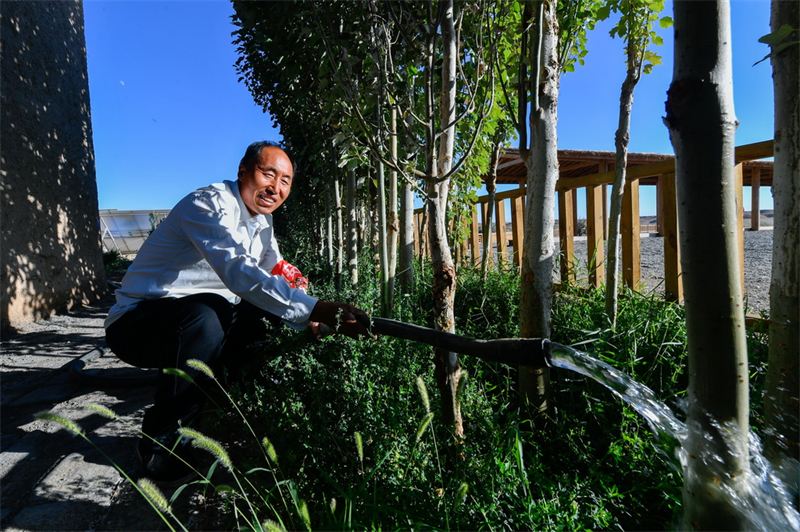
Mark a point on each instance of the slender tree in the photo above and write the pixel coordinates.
(553, 38)
(783, 374)
(637, 18)
(702, 124)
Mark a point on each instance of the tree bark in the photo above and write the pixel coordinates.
(782, 400)
(392, 217)
(407, 239)
(542, 173)
(352, 228)
(448, 368)
(329, 229)
(382, 245)
(617, 192)
(701, 120)
(491, 189)
(339, 233)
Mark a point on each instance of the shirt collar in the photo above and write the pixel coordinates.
(256, 221)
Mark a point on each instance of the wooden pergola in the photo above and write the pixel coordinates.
(593, 171)
(575, 164)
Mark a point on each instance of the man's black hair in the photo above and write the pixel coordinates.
(254, 150)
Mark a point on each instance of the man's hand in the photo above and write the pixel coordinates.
(340, 317)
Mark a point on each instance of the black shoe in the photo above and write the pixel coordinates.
(168, 467)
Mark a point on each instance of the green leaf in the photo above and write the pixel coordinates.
(666, 22)
(778, 35)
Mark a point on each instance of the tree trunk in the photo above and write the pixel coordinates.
(702, 124)
(329, 229)
(382, 246)
(339, 233)
(491, 189)
(392, 217)
(448, 368)
(783, 374)
(352, 228)
(617, 191)
(542, 173)
(407, 239)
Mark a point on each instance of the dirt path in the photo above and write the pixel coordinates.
(51, 479)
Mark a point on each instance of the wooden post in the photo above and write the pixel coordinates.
(500, 229)
(473, 238)
(594, 235)
(673, 284)
(631, 236)
(575, 211)
(516, 228)
(755, 192)
(659, 206)
(566, 231)
(738, 174)
(605, 167)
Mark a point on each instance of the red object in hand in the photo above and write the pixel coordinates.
(291, 274)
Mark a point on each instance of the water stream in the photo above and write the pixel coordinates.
(765, 501)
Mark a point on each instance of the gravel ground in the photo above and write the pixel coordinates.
(757, 266)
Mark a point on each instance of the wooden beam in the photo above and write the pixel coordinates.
(566, 236)
(517, 220)
(673, 283)
(752, 152)
(755, 199)
(594, 235)
(631, 236)
(500, 230)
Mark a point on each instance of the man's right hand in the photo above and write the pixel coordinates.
(340, 317)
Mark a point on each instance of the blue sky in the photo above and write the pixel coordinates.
(169, 115)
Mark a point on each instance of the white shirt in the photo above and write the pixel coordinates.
(210, 243)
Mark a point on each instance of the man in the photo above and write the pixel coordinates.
(200, 288)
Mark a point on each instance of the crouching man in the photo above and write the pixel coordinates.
(200, 288)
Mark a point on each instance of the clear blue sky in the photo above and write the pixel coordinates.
(169, 115)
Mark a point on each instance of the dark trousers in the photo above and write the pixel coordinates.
(165, 333)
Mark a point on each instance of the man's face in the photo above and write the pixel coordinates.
(266, 185)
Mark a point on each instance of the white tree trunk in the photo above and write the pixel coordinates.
(539, 245)
(702, 125)
(393, 220)
(352, 228)
(783, 375)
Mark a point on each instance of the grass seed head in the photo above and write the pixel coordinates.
(201, 441)
(102, 410)
(424, 425)
(359, 446)
(304, 515)
(62, 421)
(152, 492)
(271, 452)
(423, 393)
(201, 366)
(271, 526)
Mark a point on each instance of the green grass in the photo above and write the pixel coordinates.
(592, 465)
(346, 435)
